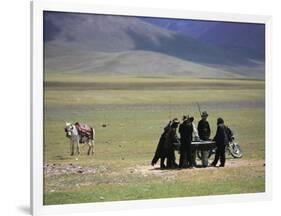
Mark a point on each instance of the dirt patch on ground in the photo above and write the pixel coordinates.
(143, 170)
(149, 170)
(60, 169)
(232, 163)
(241, 163)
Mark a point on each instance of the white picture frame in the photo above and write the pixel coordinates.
(37, 8)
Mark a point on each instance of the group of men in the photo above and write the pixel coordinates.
(169, 142)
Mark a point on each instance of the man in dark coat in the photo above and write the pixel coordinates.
(165, 148)
(221, 142)
(191, 153)
(170, 139)
(185, 130)
(204, 130)
(183, 140)
(160, 150)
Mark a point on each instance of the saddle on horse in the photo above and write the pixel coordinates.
(84, 130)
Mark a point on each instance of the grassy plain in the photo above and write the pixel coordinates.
(135, 110)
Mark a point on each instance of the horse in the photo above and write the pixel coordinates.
(77, 138)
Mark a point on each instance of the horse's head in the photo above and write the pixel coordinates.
(68, 129)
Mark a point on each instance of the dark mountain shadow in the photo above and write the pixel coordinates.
(190, 49)
(244, 39)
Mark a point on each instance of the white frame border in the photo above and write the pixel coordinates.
(84, 6)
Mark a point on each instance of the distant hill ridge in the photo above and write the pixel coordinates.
(124, 45)
(246, 39)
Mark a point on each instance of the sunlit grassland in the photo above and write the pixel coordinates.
(135, 110)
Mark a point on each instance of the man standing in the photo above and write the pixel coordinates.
(160, 152)
(204, 132)
(204, 127)
(221, 142)
(195, 137)
(170, 139)
(185, 130)
(183, 140)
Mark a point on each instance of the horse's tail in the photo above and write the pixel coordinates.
(93, 134)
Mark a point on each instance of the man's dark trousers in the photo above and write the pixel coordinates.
(220, 155)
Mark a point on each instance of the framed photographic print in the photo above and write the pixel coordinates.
(141, 107)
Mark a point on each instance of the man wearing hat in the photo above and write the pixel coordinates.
(171, 138)
(185, 130)
(204, 127)
(160, 150)
(165, 148)
(221, 142)
(191, 153)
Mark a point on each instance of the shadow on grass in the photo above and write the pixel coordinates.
(177, 169)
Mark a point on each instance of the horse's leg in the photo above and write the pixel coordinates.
(78, 147)
(90, 146)
(71, 148)
(93, 145)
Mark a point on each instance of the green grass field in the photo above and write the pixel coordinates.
(135, 110)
